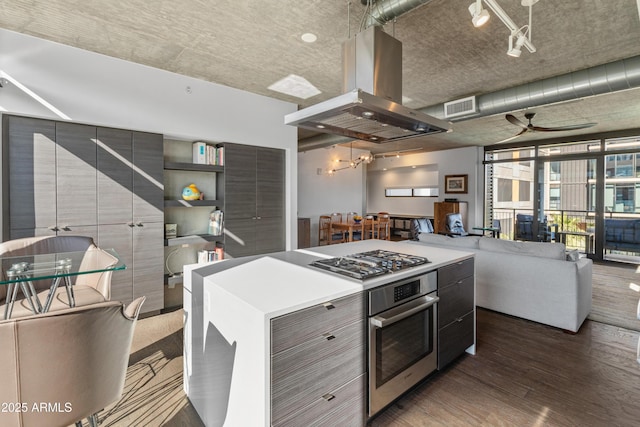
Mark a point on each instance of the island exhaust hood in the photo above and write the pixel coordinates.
(371, 108)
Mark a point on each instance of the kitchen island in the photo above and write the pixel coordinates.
(271, 340)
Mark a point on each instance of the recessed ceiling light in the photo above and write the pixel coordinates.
(320, 126)
(309, 37)
(367, 114)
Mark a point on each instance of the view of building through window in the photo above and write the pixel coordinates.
(585, 194)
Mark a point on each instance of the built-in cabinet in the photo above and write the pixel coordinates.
(318, 368)
(456, 310)
(68, 178)
(253, 189)
(442, 209)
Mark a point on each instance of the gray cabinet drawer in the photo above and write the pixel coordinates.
(452, 273)
(303, 374)
(456, 300)
(342, 407)
(454, 339)
(295, 328)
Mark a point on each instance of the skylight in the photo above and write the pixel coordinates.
(294, 85)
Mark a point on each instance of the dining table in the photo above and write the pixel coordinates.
(349, 227)
(20, 273)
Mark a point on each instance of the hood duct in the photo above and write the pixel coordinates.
(615, 76)
(371, 107)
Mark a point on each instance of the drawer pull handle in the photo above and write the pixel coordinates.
(329, 306)
(328, 336)
(328, 397)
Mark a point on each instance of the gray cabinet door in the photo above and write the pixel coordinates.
(269, 235)
(115, 176)
(239, 237)
(30, 190)
(270, 183)
(240, 181)
(148, 258)
(148, 178)
(120, 238)
(76, 196)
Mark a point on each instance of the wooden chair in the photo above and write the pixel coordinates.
(384, 226)
(357, 232)
(337, 236)
(368, 227)
(324, 230)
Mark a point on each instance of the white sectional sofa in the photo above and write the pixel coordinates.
(531, 280)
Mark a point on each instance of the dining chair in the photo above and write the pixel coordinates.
(337, 235)
(324, 230)
(87, 288)
(368, 227)
(357, 231)
(78, 357)
(383, 226)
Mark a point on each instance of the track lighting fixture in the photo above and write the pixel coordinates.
(479, 15)
(519, 36)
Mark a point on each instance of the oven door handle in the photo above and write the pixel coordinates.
(381, 321)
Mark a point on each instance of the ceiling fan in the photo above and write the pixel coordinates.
(531, 128)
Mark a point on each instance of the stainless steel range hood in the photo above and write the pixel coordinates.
(371, 107)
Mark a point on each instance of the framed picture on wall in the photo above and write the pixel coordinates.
(455, 184)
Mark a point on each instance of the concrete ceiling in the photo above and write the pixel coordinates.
(250, 45)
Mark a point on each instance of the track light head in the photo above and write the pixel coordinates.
(479, 15)
(516, 50)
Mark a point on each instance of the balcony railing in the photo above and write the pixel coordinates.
(575, 228)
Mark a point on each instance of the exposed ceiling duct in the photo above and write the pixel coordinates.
(370, 108)
(607, 78)
(387, 10)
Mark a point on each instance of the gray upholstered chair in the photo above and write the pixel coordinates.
(73, 360)
(420, 225)
(88, 288)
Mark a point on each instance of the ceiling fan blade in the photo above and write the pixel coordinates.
(562, 128)
(512, 137)
(514, 120)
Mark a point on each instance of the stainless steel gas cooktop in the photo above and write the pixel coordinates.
(369, 264)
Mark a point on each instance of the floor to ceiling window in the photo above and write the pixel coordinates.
(585, 194)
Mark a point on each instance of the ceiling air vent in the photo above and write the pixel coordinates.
(460, 107)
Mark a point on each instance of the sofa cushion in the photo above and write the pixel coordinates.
(469, 242)
(537, 249)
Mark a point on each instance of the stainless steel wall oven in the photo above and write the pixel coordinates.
(402, 337)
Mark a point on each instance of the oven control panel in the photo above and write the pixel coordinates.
(406, 291)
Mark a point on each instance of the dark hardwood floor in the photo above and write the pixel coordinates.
(524, 373)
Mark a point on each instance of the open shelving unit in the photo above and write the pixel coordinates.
(191, 216)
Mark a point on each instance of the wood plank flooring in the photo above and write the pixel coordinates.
(524, 373)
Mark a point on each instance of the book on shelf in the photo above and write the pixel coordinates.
(207, 154)
(200, 153)
(208, 255)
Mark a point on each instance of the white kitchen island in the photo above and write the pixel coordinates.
(229, 307)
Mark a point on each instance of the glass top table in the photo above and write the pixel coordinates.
(19, 273)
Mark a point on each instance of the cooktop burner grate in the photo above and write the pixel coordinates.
(364, 265)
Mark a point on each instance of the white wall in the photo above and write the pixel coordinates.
(430, 168)
(320, 193)
(96, 89)
(402, 176)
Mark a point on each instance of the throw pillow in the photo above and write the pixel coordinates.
(573, 255)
